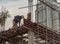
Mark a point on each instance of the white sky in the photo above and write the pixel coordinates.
(12, 6)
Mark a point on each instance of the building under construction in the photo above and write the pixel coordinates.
(45, 29)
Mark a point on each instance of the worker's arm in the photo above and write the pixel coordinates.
(22, 22)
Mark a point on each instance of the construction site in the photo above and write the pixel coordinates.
(45, 29)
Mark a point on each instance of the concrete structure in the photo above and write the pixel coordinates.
(30, 9)
(30, 32)
(47, 16)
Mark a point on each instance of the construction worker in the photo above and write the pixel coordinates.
(19, 20)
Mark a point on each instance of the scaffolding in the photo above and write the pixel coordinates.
(33, 35)
(30, 32)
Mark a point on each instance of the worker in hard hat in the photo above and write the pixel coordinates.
(16, 20)
(19, 20)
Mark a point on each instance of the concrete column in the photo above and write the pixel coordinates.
(30, 9)
(30, 37)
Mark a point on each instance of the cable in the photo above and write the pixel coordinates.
(27, 6)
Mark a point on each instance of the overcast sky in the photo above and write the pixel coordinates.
(12, 6)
